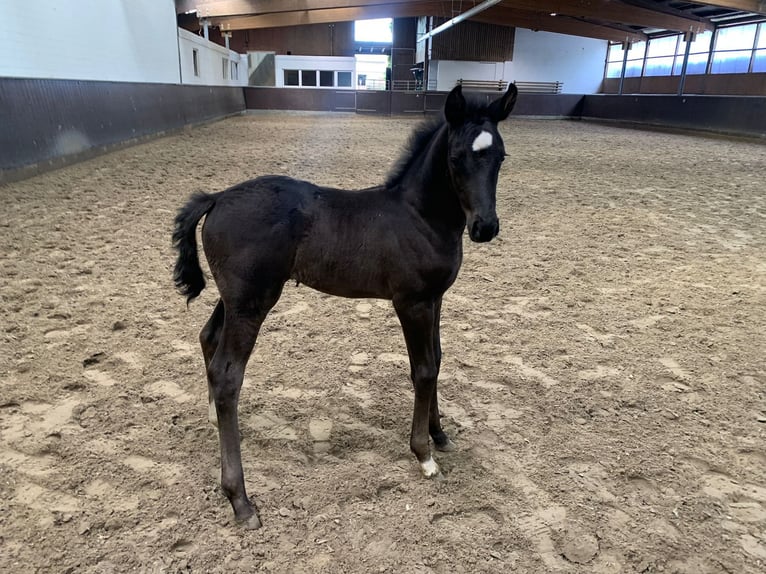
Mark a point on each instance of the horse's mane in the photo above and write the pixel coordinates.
(475, 110)
(417, 141)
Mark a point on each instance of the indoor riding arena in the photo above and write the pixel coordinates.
(603, 376)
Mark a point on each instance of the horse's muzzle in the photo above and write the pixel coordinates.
(482, 231)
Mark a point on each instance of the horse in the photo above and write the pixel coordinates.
(401, 241)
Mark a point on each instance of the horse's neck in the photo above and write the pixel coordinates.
(428, 187)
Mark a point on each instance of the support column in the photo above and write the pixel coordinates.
(625, 47)
(688, 38)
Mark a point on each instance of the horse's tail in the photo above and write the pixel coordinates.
(187, 274)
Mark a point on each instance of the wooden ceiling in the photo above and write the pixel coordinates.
(626, 20)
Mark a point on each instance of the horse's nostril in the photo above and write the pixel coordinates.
(482, 231)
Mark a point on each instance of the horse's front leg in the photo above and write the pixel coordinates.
(441, 441)
(417, 319)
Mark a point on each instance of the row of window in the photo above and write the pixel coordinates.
(322, 78)
(732, 50)
(227, 66)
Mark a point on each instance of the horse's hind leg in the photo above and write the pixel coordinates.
(441, 441)
(225, 374)
(208, 339)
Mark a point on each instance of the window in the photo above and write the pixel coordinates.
(225, 68)
(614, 61)
(733, 49)
(234, 70)
(308, 78)
(291, 78)
(195, 61)
(344, 79)
(635, 63)
(759, 57)
(736, 49)
(660, 55)
(698, 55)
(326, 78)
(380, 30)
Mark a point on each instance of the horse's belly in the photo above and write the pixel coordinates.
(358, 280)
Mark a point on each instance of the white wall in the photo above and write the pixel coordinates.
(336, 63)
(448, 72)
(537, 57)
(118, 40)
(549, 57)
(210, 62)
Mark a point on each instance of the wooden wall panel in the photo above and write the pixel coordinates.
(473, 41)
(312, 40)
(700, 84)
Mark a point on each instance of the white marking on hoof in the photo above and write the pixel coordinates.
(212, 415)
(430, 468)
(482, 141)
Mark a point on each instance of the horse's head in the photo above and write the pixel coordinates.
(475, 152)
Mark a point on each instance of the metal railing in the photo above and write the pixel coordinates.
(483, 85)
(539, 87)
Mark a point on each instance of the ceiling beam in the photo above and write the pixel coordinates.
(612, 11)
(220, 8)
(303, 17)
(602, 10)
(756, 6)
(496, 15)
(544, 22)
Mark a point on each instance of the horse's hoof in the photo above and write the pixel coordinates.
(252, 523)
(430, 468)
(446, 446)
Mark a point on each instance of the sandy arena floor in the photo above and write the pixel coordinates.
(604, 373)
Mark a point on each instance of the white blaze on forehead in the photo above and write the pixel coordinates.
(482, 141)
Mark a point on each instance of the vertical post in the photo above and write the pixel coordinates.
(427, 57)
(226, 36)
(625, 48)
(758, 32)
(205, 29)
(688, 38)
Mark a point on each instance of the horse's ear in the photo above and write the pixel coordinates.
(454, 107)
(501, 107)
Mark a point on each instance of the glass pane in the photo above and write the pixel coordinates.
(615, 53)
(762, 36)
(633, 68)
(377, 30)
(662, 46)
(659, 66)
(759, 64)
(736, 38)
(308, 78)
(291, 77)
(735, 62)
(326, 78)
(637, 51)
(701, 44)
(613, 69)
(697, 64)
(344, 79)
